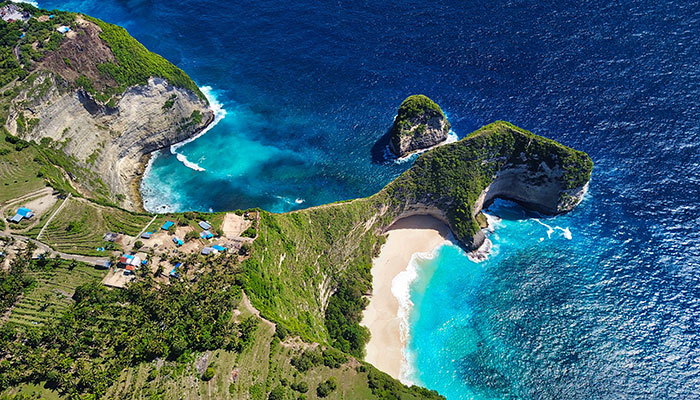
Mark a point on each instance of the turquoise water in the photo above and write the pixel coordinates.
(462, 308)
(309, 87)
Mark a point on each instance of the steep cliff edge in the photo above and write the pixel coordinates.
(454, 182)
(310, 269)
(419, 124)
(99, 96)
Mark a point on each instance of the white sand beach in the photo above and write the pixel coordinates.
(417, 234)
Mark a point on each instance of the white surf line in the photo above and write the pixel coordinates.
(41, 232)
(565, 231)
(451, 138)
(219, 114)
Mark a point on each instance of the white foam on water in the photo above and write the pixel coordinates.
(34, 3)
(451, 138)
(299, 201)
(152, 203)
(566, 232)
(401, 289)
(219, 114)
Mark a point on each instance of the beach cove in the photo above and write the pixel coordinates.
(386, 316)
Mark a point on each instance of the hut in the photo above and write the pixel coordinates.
(204, 225)
(167, 225)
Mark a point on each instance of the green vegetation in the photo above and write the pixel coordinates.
(417, 105)
(135, 64)
(415, 109)
(55, 282)
(80, 226)
(305, 262)
(116, 329)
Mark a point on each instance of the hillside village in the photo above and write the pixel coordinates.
(167, 246)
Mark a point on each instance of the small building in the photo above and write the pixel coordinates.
(125, 259)
(219, 248)
(204, 225)
(208, 250)
(146, 235)
(16, 219)
(167, 225)
(104, 265)
(135, 261)
(206, 235)
(63, 29)
(111, 237)
(178, 242)
(174, 273)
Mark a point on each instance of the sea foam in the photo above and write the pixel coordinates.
(401, 289)
(564, 231)
(451, 138)
(219, 114)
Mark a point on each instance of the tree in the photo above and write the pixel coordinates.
(276, 394)
(138, 244)
(208, 373)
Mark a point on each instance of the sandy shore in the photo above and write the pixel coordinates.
(418, 234)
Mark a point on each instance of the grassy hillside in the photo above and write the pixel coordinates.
(310, 269)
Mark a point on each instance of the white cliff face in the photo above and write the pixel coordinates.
(110, 140)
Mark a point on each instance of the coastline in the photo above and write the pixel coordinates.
(405, 238)
(218, 113)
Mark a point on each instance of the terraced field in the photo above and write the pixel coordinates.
(18, 172)
(52, 293)
(80, 226)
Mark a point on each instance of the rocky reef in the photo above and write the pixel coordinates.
(419, 124)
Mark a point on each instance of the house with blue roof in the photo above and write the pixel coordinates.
(206, 235)
(22, 212)
(167, 225)
(218, 248)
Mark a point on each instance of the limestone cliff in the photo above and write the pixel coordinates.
(99, 96)
(454, 182)
(419, 124)
(109, 140)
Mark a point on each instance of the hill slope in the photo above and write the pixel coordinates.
(97, 94)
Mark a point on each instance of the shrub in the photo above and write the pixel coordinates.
(208, 373)
(280, 331)
(276, 394)
(301, 387)
(138, 244)
(325, 388)
(307, 360)
(333, 358)
(250, 232)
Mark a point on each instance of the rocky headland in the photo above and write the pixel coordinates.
(419, 125)
(102, 98)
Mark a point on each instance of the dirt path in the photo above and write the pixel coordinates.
(146, 227)
(41, 232)
(245, 303)
(48, 249)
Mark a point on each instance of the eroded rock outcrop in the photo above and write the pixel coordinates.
(419, 124)
(109, 140)
(455, 181)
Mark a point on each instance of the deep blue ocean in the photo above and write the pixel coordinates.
(608, 309)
